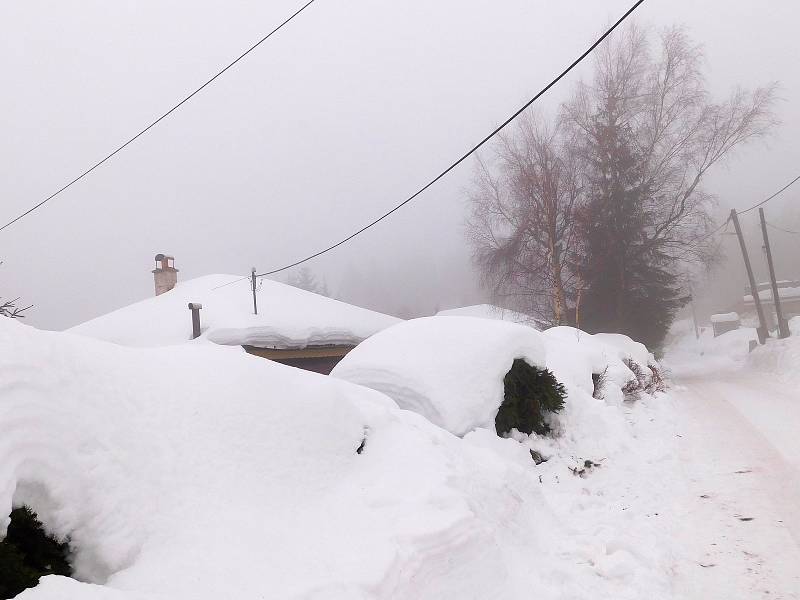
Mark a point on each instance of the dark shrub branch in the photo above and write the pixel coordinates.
(530, 393)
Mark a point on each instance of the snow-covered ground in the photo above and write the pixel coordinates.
(196, 472)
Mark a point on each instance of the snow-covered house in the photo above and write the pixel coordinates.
(789, 292)
(293, 326)
(725, 322)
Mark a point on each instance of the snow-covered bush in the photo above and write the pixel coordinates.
(599, 381)
(657, 381)
(529, 395)
(637, 383)
(28, 553)
(451, 370)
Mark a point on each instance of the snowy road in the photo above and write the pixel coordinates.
(738, 513)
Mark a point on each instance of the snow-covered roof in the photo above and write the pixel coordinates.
(765, 295)
(488, 311)
(448, 369)
(730, 317)
(288, 317)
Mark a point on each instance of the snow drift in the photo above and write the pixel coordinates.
(448, 369)
(780, 358)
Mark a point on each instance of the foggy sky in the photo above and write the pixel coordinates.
(338, 117)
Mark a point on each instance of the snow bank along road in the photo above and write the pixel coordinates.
(739, 507)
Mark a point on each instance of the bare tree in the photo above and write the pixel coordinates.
(535, 204)
(522, 217)
(679, 132)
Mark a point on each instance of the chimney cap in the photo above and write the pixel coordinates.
(165, 262)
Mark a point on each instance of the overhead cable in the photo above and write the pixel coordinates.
(159, 119)
(464, 156)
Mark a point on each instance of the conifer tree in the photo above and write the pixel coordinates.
(628, 286)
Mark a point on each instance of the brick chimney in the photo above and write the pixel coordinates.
(165, 274)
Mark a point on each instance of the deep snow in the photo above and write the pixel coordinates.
(448, 369)
(451, 369)
(195, 472)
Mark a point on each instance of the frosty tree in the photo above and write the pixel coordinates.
(590, 219)
(523, 217)
(305, 280)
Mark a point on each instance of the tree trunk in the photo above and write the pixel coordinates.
(559, 297)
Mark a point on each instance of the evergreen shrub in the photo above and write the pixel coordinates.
(530, 393)
(28, 553)
(599, 381)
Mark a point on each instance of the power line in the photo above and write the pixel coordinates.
(782, 229)
(762, 203)
(713, 233)
(787, 186)
(161, 118)
(231, 282)
(465, 155)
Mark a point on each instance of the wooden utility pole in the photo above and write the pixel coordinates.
(253, 285)
(694, 312)
(763, 331)
(783, 329)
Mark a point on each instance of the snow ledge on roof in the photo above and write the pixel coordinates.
(288, 317)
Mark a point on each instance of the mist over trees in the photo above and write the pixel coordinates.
(590, 218)
(306, 280)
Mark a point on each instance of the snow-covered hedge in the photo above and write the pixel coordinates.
(28, 553)
(531, 396)
(448, 369)
(451, 370)
(624, 366)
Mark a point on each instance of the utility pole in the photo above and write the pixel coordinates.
(783, 329)
(762, 331)
(694, 312)
(253, 285)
